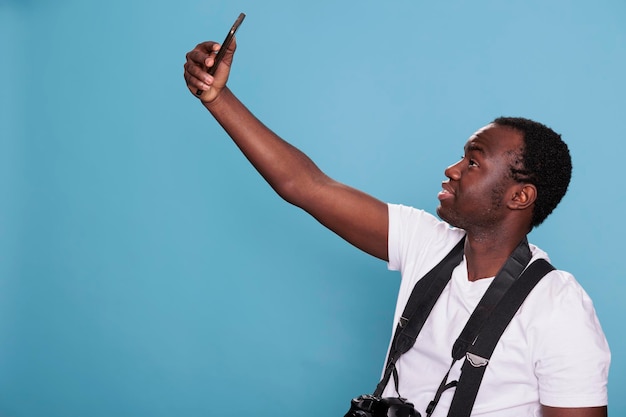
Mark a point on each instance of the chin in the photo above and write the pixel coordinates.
(447, 218)
(442, 214)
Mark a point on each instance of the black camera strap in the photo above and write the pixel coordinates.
(421, 302)
(479, 353)
(476, 349)
(493, 306)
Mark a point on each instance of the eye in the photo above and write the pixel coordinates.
(470, 162)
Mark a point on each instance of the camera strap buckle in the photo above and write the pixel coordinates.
(475, 360)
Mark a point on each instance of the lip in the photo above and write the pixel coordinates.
(446, 192)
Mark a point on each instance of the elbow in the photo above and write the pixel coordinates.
(292, 191)
(299, 191)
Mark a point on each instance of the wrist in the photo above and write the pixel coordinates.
(215, 100)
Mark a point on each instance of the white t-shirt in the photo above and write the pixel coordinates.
(553, 352)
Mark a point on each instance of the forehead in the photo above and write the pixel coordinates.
(495, 139)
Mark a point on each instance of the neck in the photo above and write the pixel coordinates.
(485, 255)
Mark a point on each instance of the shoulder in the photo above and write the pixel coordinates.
(418, 238)
(557, 298)
(403, 213)
(408, 221)
(566, 342)
(558, 291)
(568, 346)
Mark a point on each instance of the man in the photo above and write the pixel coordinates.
(553, 359)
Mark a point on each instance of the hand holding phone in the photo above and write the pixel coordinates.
(224, 47)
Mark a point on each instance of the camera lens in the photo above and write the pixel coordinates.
(402, 411)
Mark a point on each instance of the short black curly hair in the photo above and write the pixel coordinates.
(546, 163)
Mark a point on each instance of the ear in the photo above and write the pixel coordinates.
(524, 196)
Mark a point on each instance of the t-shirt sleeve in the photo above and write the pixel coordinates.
(417, 238)
(572, 355)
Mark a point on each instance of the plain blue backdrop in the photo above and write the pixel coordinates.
(147, 270)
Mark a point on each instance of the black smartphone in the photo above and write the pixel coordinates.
(225, 45)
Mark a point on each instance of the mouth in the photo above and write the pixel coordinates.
(446, 192)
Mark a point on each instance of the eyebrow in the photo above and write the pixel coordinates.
(473, 146)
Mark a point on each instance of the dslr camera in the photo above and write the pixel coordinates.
(371, 406)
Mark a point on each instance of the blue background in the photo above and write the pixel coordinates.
(147, 270)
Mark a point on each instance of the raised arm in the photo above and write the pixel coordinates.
(357, 217)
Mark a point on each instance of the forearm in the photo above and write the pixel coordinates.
(574, 412)
(283, 166)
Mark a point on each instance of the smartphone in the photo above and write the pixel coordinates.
(225, 45)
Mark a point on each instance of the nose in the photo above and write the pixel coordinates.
(453, 171)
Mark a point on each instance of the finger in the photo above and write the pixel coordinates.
(208, 47)
(198, 69)
(211, 53)
(202, 52)
(196, 78)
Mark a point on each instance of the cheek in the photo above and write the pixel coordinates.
(497, 196)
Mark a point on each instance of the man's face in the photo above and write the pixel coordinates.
(478, 186)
